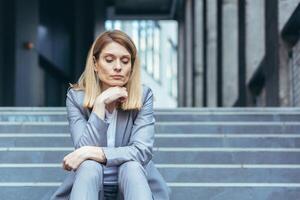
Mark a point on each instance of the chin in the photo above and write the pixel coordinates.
(120, 84)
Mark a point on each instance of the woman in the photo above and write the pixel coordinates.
(111, 121)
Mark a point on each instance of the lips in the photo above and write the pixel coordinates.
(117, 76)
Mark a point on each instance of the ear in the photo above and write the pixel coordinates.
(94, 60)
(95, 64)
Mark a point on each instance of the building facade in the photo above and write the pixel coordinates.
(224, 52)
(239, 53)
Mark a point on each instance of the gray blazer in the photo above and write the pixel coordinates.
(134, 140)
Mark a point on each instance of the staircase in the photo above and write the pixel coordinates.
(203, 153)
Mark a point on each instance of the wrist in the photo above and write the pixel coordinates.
(99, 104)
(100, 100)
(99, 109)
(86, 153)
(96, 153)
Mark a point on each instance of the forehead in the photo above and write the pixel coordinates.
(115, 49)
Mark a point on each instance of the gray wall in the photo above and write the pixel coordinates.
(230, 52)
(295, 75)
(61, 32)
(215, 53)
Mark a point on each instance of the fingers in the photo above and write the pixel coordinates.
(73, 160)
(66, 165)
(123, 90)
(118, 93)
(115, 93)
(123, 96)
(122, 99)
(123, 93)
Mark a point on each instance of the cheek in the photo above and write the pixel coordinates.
(128, 70)
(104, 70)
(127, 73)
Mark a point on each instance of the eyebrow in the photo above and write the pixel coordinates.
(111, 54)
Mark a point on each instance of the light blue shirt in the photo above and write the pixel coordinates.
(111, 173)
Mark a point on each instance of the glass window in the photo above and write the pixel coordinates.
(156, 43)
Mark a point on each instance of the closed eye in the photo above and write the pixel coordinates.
(108, 59)
(125, 60)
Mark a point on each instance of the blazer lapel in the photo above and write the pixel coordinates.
(89, 110)
(122, 121)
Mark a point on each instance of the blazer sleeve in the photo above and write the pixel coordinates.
(141, 141)
(84, 132)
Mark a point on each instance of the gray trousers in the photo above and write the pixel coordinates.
(132, 183)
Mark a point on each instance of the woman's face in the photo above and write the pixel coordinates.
(113, 65)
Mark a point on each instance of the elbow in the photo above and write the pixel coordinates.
(77, 146)
(144, 154)
(83, 141)
(80, 143)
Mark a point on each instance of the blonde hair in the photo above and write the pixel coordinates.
(89, 80)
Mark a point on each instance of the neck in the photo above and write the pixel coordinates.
(104, 87)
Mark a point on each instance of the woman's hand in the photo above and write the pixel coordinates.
(73, 160)
(112, 94)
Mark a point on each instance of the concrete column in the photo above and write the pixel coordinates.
(295, 75)
(99, 17)
(198, 34)
(189, 53)
(242, 88)
(83, 36)
(271, 67)
(288, 53)
(211, 71)
(286, 9)
(220, 53)
(186, 56)
(181, 63)
(205, 47)
(29, 77)
(255, 40)
(230, 52)
(284, 74)
(1, 53)
(7, 75)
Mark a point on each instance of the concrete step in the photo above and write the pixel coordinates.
(224, 141)
(170, 156)
(180, 109)
(220, 192)
(159, 116)
(225, 117)
(228, 127)
(230, 109)
(216, 191)
(166, 127)
(211, 174)
(211, 153)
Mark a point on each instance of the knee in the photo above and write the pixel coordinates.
(129, 168)
(89, 170)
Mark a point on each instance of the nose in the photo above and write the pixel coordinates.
(117, 66)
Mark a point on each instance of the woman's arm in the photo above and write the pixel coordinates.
(84, 132)
(87, 135)
(73, 160)
(141, 141)
(139, 148)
